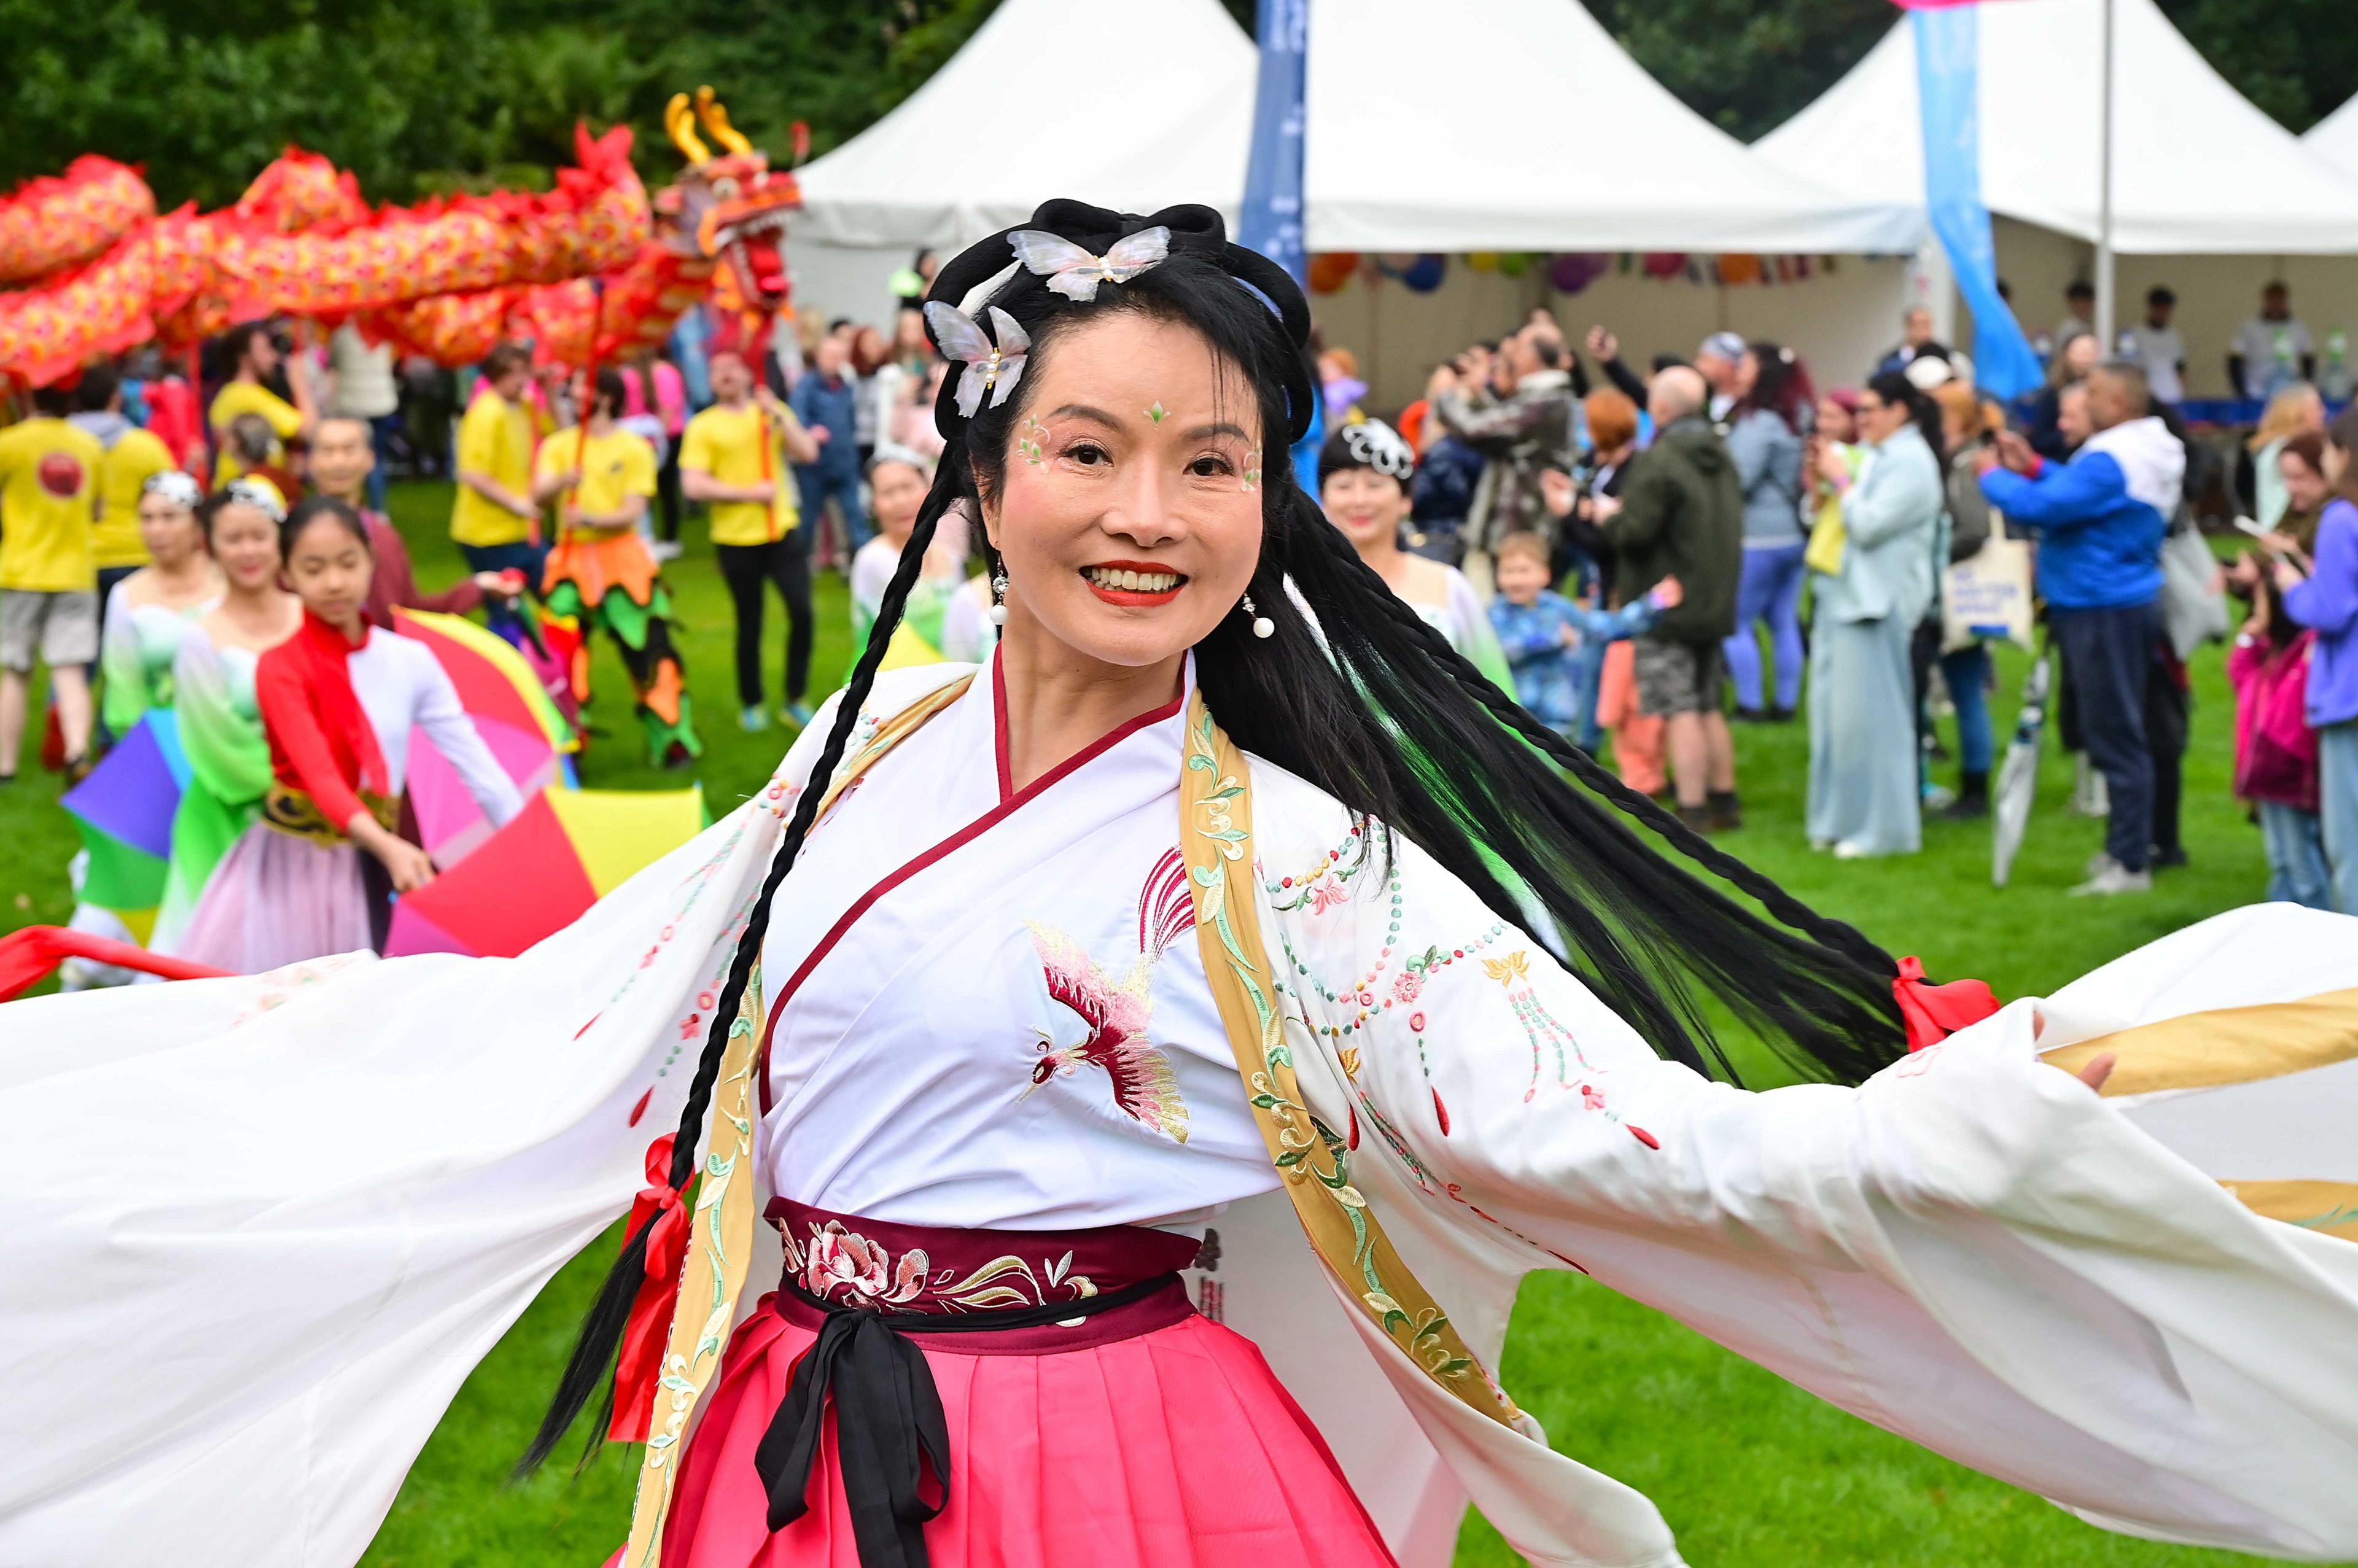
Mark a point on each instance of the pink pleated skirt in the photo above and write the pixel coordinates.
(1174, 1447)
(276, 899)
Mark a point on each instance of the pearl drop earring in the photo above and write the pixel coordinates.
(998, 599)
(1262, 626)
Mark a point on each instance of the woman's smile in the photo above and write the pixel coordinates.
(1133, 584)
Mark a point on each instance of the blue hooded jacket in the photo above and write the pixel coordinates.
(2101, 517)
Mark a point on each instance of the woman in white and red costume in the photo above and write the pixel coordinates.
(1046, 1011)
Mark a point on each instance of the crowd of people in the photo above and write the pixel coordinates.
(1888, 511)
(1644, 558)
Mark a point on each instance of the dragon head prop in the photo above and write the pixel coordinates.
(730, 205)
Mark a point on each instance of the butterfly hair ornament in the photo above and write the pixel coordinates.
(1074, 273)
(991, 367)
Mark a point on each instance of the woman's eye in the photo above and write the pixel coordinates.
(1088, 453)
(1211, 465)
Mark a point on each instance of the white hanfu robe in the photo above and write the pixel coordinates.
(262, 1227)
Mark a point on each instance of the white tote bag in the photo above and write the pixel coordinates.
(1987, 595)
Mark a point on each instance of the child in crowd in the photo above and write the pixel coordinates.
(2276, 749)
(1543, 633)
(897, 481)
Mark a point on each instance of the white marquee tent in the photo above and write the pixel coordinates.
(1422, 137)
(2197, 168)
(2336, 137)
(1415, 142)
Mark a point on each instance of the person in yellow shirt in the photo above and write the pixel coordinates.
(733, 457)
(133, 456)
(254, 353)
(600, 478)
(495, 519)
(48, 581)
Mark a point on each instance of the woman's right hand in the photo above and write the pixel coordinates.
(409, 867)
(1556, 490)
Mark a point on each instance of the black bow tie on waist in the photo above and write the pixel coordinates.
(889, 1427)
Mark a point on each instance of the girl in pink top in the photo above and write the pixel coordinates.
(2276, 749)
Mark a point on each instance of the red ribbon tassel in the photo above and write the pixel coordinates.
(1933, 1012)
(638, 1368)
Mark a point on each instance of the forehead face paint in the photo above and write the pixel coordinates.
(1156, 412)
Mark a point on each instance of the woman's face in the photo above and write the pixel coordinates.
(1128, 519)
(1878, 420)
(1748, 374)
(2304, 486)
(2079, 355)
(1367, 507)
(1834, 422)
(329, 569)
(245, 543)
(169, 530)
(896, 491)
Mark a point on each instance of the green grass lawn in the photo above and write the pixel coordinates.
(1747, 1468)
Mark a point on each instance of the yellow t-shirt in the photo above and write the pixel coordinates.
(247, 397)
(616, 464)
(727, 444)
(121, 473)
(49, 497)
(494, 440)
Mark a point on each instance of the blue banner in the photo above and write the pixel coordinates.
(1271, 220)
(1948, 64)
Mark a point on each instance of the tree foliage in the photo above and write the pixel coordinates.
(421, 95)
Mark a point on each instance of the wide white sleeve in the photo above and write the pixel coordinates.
(1972, 1249)
(436, 712)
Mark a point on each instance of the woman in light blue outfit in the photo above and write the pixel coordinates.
(1764, 436)
(1863, 791)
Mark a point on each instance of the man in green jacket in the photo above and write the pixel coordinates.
(1681, 514)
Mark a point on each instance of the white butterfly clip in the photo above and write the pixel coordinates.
(992, 368)
(1074, 273)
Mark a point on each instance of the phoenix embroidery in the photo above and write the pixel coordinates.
(1120, 1015)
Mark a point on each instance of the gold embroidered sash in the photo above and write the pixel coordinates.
(1216, 835)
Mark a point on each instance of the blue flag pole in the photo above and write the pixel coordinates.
(1948, 68)
(1271, 220)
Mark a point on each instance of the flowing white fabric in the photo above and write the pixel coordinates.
(261, 1228)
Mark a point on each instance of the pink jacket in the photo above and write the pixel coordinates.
(2276, 749)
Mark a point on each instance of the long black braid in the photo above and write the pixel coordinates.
(601, 1330)
(1371, 705)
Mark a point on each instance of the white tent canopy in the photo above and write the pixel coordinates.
(2196, 170)
(2336, 137)
(1127, 104)
(1149, 101)
(1418, 144)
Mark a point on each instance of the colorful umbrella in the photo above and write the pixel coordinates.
(511, 711)
(2017, 779)
(563, 853)
(123, 812)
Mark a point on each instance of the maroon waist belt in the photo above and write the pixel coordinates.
(866, 1285)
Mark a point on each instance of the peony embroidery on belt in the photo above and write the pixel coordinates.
(835, 1263)
(1117, 1016)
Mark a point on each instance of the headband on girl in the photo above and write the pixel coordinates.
(260, 494)
(991, 367)
(1368, 444)
(175, 487)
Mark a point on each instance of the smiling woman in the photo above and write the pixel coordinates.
(1226, 922)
